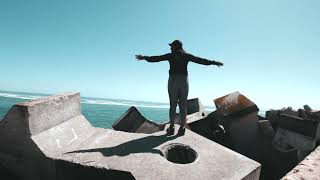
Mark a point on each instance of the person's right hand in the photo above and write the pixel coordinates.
(139, 57)
(219, 63)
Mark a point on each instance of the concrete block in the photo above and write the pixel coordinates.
(302, 126)
(273, 116)
(307, 108)
(193, 156)
(244, 134)
(26, 121)
(72, 148)
(195, 106)
(240, 117)
(74, 171)
(280, 161)
(287, 138)
(266, 129)
(206, 126)
(54, 111)
(234, 104)
(133, 121)
(309, 168)
(37, 132)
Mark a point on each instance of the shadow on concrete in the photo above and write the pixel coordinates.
(141, 145)
(72, 171)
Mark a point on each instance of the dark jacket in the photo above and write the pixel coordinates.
(179, 61)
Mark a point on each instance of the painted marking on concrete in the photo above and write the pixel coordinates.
(75, 137)
(97, 141)
(58, 143)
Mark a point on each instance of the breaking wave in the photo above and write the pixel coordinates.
(124, 103)
(20, 96)
(99, 101)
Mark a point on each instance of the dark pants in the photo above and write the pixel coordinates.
(178, 89)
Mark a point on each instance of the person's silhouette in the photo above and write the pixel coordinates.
(178, 85)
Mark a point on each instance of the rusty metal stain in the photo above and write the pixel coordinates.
(234, 103)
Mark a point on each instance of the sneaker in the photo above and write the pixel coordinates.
(181, 131)
(170, 131)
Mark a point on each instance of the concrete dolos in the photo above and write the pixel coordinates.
(49, 138)
(239, 118)
(133, 121)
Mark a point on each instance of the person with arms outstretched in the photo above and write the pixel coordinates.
(178, 85)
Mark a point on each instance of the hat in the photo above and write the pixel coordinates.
(176, 43)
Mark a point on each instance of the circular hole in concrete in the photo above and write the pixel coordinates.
(179, 153)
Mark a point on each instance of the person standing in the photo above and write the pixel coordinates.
(178, 84)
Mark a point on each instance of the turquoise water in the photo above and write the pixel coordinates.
(100, 112)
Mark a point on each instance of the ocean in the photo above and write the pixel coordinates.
(100, 112)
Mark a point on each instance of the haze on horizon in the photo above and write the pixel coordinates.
(271, 49)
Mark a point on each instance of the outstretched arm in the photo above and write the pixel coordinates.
(153, 58)
(203, 61)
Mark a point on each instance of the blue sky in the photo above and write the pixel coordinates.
(271, 49)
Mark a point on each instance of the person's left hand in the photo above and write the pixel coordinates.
(139, 57)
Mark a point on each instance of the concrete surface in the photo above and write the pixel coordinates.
(142, 155)
(60, 143)
(308, 169)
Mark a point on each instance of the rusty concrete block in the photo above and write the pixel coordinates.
(133, 121)
(234, 104)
